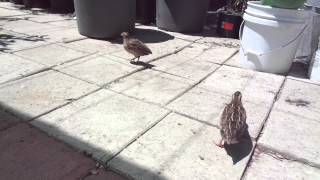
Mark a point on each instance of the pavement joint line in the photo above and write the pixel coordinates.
(303, 81)
(33, 47)
(62, 63)
(196, 119)
(74, 40)
(141, 100)
(26, 75)
(163, 71)
(62, 44)
(181, 38)
(138, 136)
(263, 124)
(203, 122)
(194, 85)
(170, 53)
(48, 68)
(277, 154)
(65, 104)
(231, 56)
(277, 96)
(218, 44)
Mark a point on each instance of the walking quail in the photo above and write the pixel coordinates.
(134, 47)
(233, 121)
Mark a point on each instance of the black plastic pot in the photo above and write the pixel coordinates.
(146, 11)
(36, 3)
(216, 4)
(229, 24)
(17, 1)
(62, 5)
(105, 18)
(182, 15)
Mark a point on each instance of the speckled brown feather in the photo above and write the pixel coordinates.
(136, 47)
(233, 122)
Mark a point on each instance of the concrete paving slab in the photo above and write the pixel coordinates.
(235, 43)
(185, 64)
(52, 54)
(180, 148)
(59, 34)
(152, 86)
(7, 120)
(291, 128)
(234, 61)
(10, 12)
(255, 86)
(192, 69)
(286, 133)
(216, 54)
(101, 124)
(40, 93)
(300, 98)
(65, 23)
(46, 17)
(11, 41)
(25, 26)
(13, 67)
(266, 167)
(98, 69)
(158, 49)
(27, 153)
(207, 106)
(94, 45)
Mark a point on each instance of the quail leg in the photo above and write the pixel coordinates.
(132, 61)
(138, 59)
(220, 143)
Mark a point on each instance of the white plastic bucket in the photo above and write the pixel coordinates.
(269, 37)
(315, 71)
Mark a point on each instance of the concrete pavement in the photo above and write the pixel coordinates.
(156, 120)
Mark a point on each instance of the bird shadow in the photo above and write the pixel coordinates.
(241, 150)
(140, 63)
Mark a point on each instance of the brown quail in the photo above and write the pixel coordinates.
(233, 121)
(134, 47)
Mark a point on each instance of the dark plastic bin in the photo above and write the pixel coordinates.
(62, 5)
(182, 15)
(146, 11)
(105, 18)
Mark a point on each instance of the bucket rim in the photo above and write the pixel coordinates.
(260, 5)
(269, 22)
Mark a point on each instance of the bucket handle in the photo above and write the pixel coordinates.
(270, 51)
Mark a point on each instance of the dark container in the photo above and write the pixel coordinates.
(105, 18)
(216, 4)
(37, 3)
(17, 1)
(182, 15)
(146, 11)
(229, 24)
(65, 6)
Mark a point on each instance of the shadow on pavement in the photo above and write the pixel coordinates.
(30, 153)
(241, 150)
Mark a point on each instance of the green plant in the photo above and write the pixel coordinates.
(237, 6)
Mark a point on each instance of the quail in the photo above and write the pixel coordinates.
(134, 47)
(233, 121)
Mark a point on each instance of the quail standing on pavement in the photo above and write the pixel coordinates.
(233, 121)
(134, 47)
